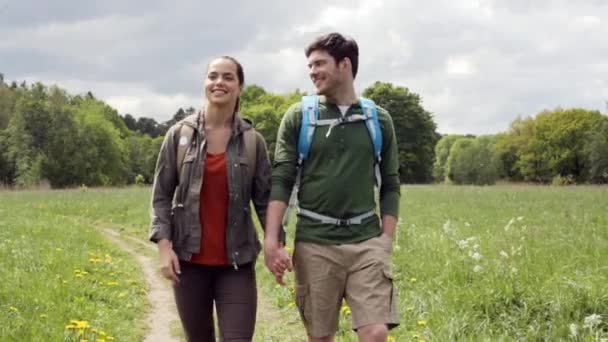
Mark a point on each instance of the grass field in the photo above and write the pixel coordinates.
(471, 263)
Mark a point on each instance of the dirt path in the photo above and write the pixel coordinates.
(160, 297)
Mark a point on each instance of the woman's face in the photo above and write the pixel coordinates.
(222, 85)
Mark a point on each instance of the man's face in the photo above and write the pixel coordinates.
(324, 72)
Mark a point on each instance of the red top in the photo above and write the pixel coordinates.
(213, 212)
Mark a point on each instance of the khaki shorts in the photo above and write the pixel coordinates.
(359, 273)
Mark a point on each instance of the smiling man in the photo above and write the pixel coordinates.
(334, 147)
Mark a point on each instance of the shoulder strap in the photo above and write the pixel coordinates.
(251, 150)
(185, 138)
(310, 115)
(373, 125)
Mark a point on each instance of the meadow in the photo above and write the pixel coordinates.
(500, 263)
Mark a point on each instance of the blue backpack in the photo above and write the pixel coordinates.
(310, 121)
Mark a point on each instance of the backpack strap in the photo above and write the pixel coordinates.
(310, 115)
(375, 133)
(249, 139)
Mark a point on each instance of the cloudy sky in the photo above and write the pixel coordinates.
(477, 64)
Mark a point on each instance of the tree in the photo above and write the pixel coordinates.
(130, 122)
(597, 153)
(414, 127)
(473, 161)
(442, 152)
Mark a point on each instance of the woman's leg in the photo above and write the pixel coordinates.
(194, 299)
(236, 303)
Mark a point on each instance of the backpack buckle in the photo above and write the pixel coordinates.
(342, 223)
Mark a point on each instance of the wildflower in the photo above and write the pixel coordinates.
(592, 321)
(476, 256)
(112, 283)
(390, 339)
(13, 309)
(573, 330)
(345, 310)
(291, 304)
(413, 280)
(463, 244)
(508, 226)
(95, 260)
(477, 269)
(421, 322)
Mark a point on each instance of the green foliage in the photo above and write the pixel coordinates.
(442, 152)
(473, 161)
(414, 127)
(597, 153)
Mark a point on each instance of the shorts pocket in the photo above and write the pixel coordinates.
(388, 275)
(302, 298)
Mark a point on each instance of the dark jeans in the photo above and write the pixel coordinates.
(235, 296)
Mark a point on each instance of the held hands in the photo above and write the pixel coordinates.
(277, 259)
(169, 264)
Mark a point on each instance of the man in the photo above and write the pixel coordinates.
(342, 248)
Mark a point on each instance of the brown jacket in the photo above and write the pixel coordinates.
(175, 198)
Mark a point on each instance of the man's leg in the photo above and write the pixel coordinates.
(320, 280)
(369, 289)
(373, 333)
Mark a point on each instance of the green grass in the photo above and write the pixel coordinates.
(59, 274)
(499, 263)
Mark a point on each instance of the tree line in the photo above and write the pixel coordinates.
(48, 135)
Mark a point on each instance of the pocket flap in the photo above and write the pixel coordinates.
(301, 290)
(387, 273)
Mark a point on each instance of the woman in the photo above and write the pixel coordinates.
(210, 166)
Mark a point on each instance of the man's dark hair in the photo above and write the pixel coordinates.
(337, 46)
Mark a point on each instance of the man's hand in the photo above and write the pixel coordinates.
(277, 259)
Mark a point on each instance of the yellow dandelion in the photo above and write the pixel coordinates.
(95, 260)
(69, 327)
(79, 275)
(291, 304)
(345, 310)
(110, 338)
(13, 309)
(102, 333)
(390, 339)
(112, 283)
(422, 322)
(413, 280)
(101, 340)
(421, 340)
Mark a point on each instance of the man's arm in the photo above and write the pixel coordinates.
(390, 193)
(283, 177)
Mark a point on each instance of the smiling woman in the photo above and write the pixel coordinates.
(205, 180)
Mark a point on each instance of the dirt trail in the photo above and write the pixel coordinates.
(160, 296)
